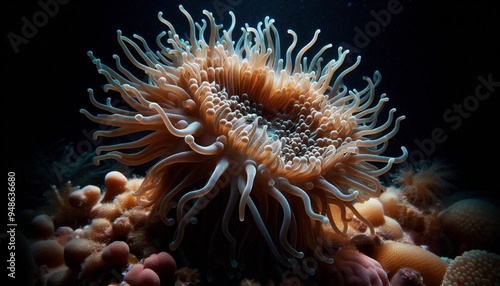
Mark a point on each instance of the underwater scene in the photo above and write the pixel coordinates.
(238, 142)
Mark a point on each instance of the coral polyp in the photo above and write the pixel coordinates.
(222, 117)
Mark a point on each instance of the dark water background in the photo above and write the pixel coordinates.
(431, 56)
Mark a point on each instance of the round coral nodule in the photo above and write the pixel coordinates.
(116, 253)
(85, 198)
(47, 252)
(163, 264)
(473, 267)
(78, 249)
(116, 183)
(407, 277)
(472, 224)
(390, 229)
(138, 275)
(391, 200)
(42, 226)
(372, 210)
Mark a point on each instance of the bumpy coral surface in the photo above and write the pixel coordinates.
(395, 255)
(474, 267)
(474, 224)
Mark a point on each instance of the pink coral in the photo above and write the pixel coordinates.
(77, 250)
(352, 267)
(155, 269)
(138, 275)
(407, 277)
(163, 264)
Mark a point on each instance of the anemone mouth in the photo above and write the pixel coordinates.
(233, 116)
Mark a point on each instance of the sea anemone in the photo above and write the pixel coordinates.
(425, 184)
(281, 140)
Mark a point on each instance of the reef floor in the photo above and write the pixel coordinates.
(419, 235)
